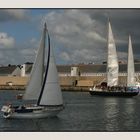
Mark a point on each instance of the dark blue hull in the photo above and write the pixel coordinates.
(114, 93)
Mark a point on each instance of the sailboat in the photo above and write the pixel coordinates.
(43, 88)
(130, 66)
(112, 88)
(131, 80)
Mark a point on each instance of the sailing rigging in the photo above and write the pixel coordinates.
(112, 87)
(43, 87)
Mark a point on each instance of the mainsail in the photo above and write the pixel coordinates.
(112, 60)
(51, 93)
(130, 65)
(36, 78)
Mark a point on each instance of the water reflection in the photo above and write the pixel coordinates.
(120, 114)
(82, 113)
(46, 124)
(111, 111)
(129, 113)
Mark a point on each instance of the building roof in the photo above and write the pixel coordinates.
(28, 68)
(6, 70)
(84, 68)
(64, 68)
(94, 68)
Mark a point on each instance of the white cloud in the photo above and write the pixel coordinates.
(122, 55)
(6, 41)
(95, 36)
(13, 53)
(79, 35)
(33, 40)
(65, 56)
(27, 52)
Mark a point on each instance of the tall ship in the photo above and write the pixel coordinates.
(112, 87)
(43, 97)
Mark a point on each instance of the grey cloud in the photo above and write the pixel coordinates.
(78, 29)
(15, 56)
(19, 53)
(80, 35)
(13, 15)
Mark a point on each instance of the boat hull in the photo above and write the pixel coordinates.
(111, 93)
(43, 113)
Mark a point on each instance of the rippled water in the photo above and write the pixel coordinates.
(82, 113)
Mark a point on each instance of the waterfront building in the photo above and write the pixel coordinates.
(67, 70)
(69, 75)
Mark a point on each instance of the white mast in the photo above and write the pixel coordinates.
(112, 60)
(51, 93)
(130, 65)
(36, 77)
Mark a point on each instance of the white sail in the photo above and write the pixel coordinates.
(112, 60)
(36, 77)
(51, 92)
(130, 65)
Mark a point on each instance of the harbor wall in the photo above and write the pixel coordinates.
(68, 80)
(13, 80)
(71, 83)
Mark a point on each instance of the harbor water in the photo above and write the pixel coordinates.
(82, 112)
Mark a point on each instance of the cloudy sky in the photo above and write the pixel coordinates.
(77, 35)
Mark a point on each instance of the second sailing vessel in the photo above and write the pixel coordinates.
(112, 88)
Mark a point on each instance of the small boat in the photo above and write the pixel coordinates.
(43, 92)
(112, 88)
(19, 96)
